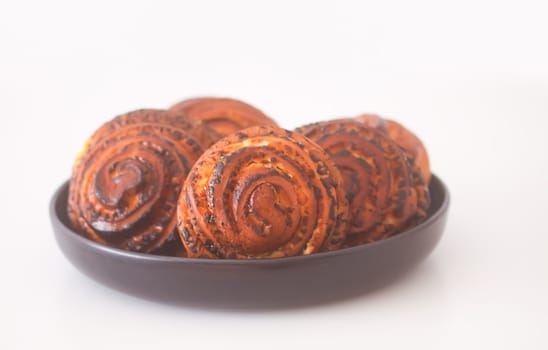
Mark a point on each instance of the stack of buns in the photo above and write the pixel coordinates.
(217, 178)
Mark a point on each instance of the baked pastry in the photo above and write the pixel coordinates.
(414, 149)
(124, 187)
(193, 126)
(376, 174)
(224, 115)
(263, 192)
(423, 199)
(417, 156)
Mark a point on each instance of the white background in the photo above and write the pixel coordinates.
(469, 77)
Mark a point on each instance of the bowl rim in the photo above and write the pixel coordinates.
(68, 231)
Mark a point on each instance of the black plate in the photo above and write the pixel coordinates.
(284, 282)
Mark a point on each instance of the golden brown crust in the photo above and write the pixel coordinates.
(263, 192)
(224, 115)
(412, 145)
(376, 176)
(124, 189)
(417, 156)
(178, 120)
(423, 200)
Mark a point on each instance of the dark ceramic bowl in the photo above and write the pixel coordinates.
(284, 282)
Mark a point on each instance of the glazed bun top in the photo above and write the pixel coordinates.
(376, 174)
(224, 115)
(413, 146)
(262, 192)
(125, 183)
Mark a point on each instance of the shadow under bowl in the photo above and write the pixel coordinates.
(268, 283)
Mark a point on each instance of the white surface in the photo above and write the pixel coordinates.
(471, 78)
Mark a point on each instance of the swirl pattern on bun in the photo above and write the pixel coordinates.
(124, 187)
(192, 126)
(376, 174)
(412, 145)
(263, 192)
(417, 156)
(224, 115)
